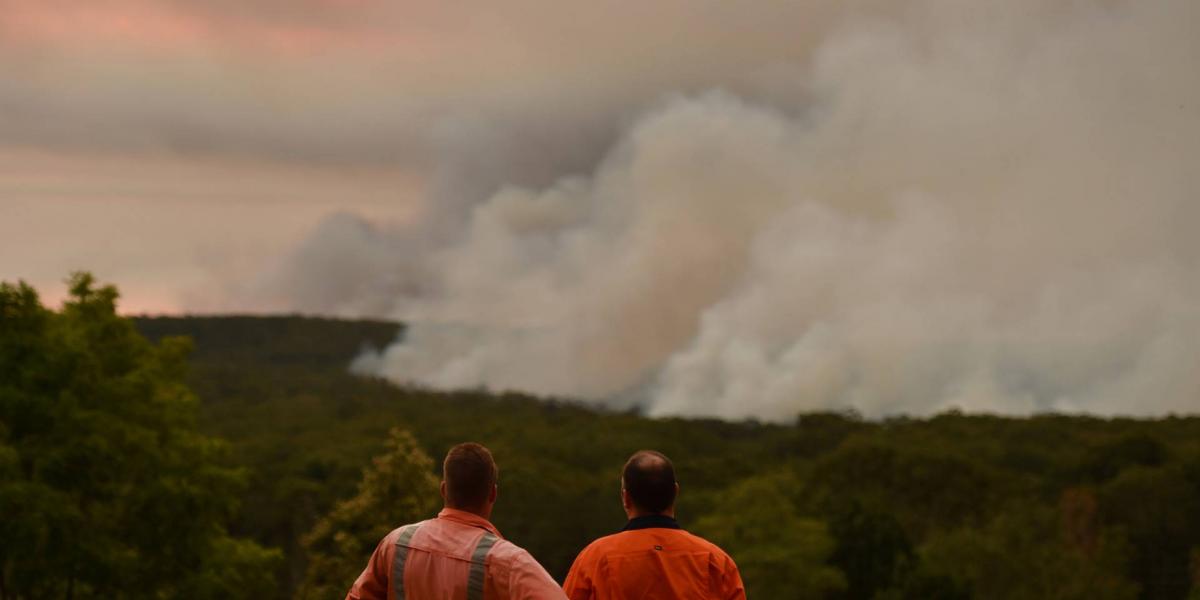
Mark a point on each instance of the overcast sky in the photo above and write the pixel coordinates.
(180, 147)
(700, 207)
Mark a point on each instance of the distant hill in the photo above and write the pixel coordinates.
(277, 340)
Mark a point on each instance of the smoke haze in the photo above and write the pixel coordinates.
(985, 209)
(726, 210)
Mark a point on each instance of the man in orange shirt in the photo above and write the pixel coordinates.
(459, 555)
(652, 558)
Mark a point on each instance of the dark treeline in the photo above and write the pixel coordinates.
(830, 506)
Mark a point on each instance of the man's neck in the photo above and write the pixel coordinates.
(485, 514)
(633, 514)
(651, 521)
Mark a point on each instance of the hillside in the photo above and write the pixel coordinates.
(278, 341)
(952, 506)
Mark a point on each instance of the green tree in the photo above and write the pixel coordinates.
(1027, 554)
(398, 487)
(1195, 593)
(780, 554)
(871, 549)
(1105, 461)
(917, 582)
(1160, 513)
(106, 487)
(819, 432)
(925, 487)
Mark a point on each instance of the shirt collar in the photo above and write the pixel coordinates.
(468, 518)
(650, 522)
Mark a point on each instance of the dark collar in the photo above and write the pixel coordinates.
(651, 521)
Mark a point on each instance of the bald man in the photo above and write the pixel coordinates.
(652, 557)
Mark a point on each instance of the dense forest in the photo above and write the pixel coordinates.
(251, 462)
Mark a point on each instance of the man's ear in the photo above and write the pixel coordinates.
(495, 493)
(625, 501)
(442, 488)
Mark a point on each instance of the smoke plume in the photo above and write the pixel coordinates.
(985, 206)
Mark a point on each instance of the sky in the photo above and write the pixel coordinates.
(700, 208)
(180, 147)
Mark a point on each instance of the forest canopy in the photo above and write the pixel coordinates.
(261, 467)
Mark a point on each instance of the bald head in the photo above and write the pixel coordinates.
(649, 480)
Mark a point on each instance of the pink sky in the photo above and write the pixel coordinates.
(156, 25)
(177, 148)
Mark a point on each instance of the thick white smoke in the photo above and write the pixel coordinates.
(984, 206)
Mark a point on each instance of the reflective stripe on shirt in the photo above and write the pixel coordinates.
(474, 578)
(401, 555)
(478, 560)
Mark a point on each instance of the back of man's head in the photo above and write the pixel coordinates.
(649, 479)
(470, 473)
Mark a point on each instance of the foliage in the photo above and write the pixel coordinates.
(779, 554)
(918, 583)
(1157, 508)
(1105, 461)
(1195, 595)
(398, 488)
(106, 487)
(928, 488)
(872, 549)
(1024, 554)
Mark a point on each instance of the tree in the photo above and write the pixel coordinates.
(398, 487)
(106, 487)
(871, 549)
(779, 554)
(820, 432)
(1160, 513)
(926, 488)
(1104, 462)
(1028, 553)
(1195, 593)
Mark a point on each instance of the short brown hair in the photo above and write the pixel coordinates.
(649, 478)
(470, 472)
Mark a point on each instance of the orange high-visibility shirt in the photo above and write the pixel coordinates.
(653, 559)
(457, 556)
